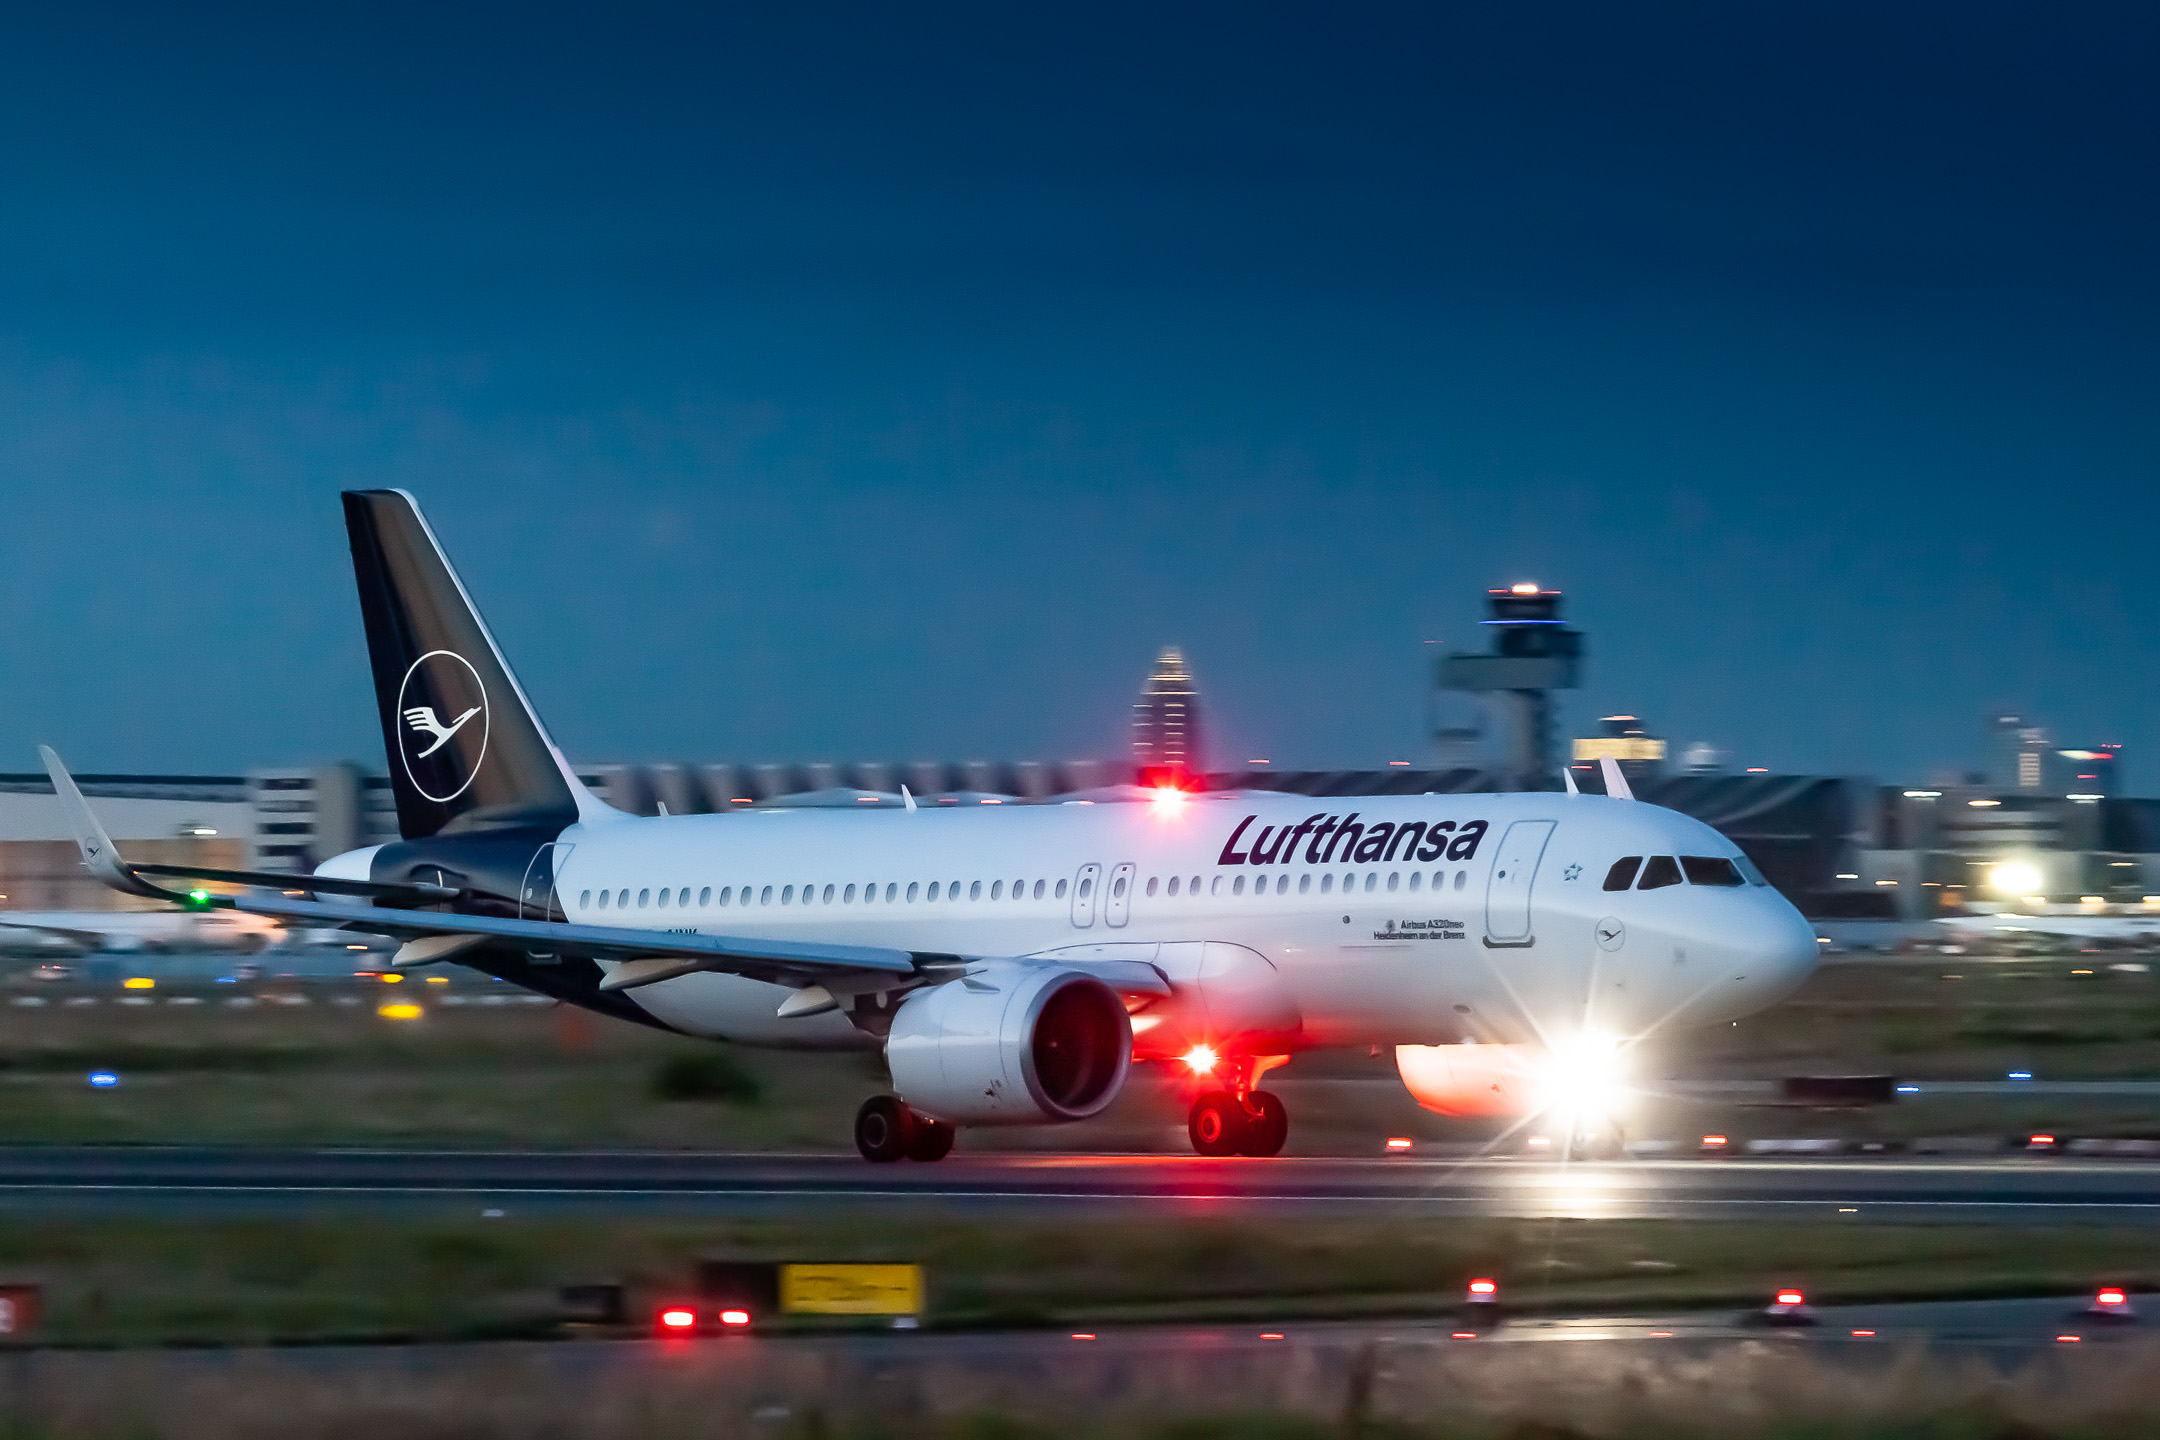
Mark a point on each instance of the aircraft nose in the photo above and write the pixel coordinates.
(1780, 953)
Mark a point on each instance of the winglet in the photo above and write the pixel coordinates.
(1615, 783)
(1567, 774)
(907, 799)
(99, 856)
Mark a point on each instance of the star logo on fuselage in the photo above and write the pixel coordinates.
(1573, 872)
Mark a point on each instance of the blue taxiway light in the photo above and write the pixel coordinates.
(103, 1079)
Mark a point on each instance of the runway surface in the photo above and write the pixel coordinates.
(2039, 1190)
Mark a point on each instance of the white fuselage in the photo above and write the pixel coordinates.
(1488, 923)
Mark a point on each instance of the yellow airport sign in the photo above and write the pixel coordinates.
(851, 1289)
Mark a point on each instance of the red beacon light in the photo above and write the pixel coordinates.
(1201, 1059)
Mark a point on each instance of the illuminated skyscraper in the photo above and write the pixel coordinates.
(1166, 722)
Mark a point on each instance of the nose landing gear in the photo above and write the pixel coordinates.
(1225, 1124)
(887, 1130)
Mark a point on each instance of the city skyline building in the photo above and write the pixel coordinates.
(1167, 738)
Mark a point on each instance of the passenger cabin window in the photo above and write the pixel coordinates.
(584, 899)
(704, 897)
(1061, 889)
(643, 897)
(1711, 870)
(1662, 870)
(1622, 873)
(1173, 884)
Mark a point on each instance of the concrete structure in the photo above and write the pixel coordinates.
(301, 817)
(1494, 712)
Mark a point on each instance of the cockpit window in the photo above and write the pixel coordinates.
(1662, 870)
(1622, 873)
(1711, 870)
(1747, 868)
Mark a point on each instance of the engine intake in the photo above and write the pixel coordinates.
(1011, 1044)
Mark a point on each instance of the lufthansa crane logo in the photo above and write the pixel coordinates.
(442, 724)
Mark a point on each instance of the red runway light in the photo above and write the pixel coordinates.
(2068, 1339)
(1398, 1142)
(2111, 1297)
(678, 1317)
(1791, 1297)
(2041, 1140)
(1483, 1287)
(1713, 1142)
(1864, 1333)
(1271, 1335)
(1083, 1335)
(734, 1317)
(1464, 1335)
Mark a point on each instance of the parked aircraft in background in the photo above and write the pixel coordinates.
(49, 933)
(1013, 961)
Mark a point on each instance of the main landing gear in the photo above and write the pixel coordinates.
(887, 1130)
(1226, 1124)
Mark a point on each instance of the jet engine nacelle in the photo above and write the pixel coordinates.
(1488, 1080)
(1011, 1044)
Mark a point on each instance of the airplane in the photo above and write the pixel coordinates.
(75, 933)
(1013, 961)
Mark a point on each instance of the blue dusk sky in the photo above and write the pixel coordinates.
(891, 382)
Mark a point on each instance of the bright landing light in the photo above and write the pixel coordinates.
(1201, 1059)
(1583, 1074)
(2013, 878)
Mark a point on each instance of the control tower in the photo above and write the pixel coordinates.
(1494, 712)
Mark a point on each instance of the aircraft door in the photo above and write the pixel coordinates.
(1507, 893)
(537, 897)
(1117, 903)
(1085, 884)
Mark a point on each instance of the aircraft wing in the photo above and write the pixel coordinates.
(781, 962)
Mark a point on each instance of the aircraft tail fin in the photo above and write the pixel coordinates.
(466, 751)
